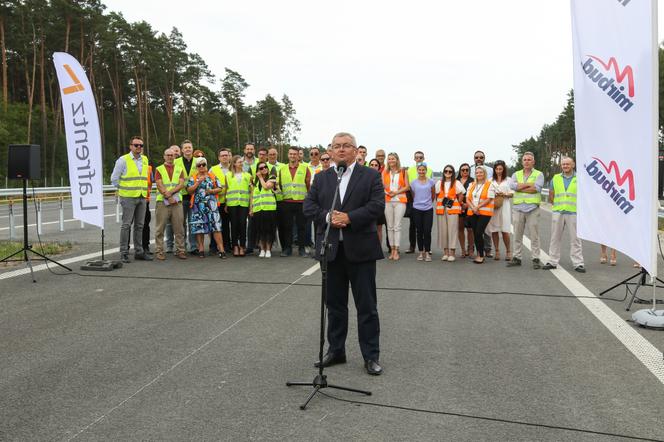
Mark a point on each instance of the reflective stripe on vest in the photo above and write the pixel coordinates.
(451, 194)
(412, 173)
(237, 194)
(134, 184)
(263, 201)
(294, 189)
(488, 209)
(221, 176)
(169, 183)
(387, 180)
(564, 200)
(523, 197)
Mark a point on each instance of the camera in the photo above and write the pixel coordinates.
(448, 202)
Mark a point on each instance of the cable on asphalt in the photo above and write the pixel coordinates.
(490, 419)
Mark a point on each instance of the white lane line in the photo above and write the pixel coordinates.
(311, 270)
(639, 346)
(178, 363)
(18, 226)
(72, 260)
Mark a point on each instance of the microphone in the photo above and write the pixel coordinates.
(341, 168)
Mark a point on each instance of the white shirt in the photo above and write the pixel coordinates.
(343, 185)
(477, 192)
(460, 190)
(489, 171)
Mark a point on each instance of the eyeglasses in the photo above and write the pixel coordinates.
(325, 159)
(168, 154)
(262, 168)
(313, 154)
(448, 171)
(137, 145)
(201, 165)
(464, 170)
(479, 158)
(343, 146)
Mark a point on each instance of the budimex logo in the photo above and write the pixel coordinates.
(610, 78)
(614, 188)
(77, 86)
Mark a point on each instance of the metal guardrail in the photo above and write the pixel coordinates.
(46, 190)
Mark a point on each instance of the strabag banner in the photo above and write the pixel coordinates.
(616, 122)
(83, 140)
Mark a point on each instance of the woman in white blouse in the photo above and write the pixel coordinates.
(501, 221)
(396, 186)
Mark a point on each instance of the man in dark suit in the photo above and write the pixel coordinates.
(354, 249)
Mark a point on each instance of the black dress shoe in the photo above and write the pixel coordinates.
(143, 257)
(332, 359)
(125, 259)
(373, 367)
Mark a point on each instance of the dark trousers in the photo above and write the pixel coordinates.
(225, 226)
(478, 223)
(362, 279)
(146, 228)
(411, 228)
(287, 213)
(189, 239)
(422, 221)
(238, 215)
(251, 234)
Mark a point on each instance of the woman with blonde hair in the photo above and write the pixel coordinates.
(238, 200)
(480, 200)
(396, 186)
(204, 213)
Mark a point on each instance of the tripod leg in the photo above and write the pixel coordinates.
(6, 258)
(631, 301)
(354, 390)
(29, 264)
(624, 281)
(300, 384)
(311, 396)
(46, 258)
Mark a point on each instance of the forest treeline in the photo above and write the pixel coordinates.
(145, 83)
(558, 139)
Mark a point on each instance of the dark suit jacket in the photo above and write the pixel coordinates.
(364, 201)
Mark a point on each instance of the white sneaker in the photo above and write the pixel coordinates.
(262, 254)
(451, 258)
(444, 258)
(268, 254)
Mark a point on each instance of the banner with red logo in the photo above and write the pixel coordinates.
(616, 120)
(83, 140)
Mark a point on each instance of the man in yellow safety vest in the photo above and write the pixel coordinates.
(527, 185)
(130, 177)
(562, 196)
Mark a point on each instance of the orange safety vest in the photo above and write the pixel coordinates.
(451, 194)
(191, 198)
(486, 210)
(386, 183)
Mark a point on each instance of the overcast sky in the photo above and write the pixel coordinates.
(445, 77)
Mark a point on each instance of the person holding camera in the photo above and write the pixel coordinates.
(449, 196)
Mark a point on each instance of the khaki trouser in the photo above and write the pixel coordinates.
(558, 222)
(172, 213)
(448, 230)
(526, 221)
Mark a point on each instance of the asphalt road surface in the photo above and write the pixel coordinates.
(202, 349)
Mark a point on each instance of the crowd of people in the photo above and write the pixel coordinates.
(244, 204)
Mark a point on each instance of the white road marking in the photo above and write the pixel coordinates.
(178, 363)
(311, 270)
(639, 346)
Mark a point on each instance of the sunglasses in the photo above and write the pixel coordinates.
(448, 171)
(201, 165)
(262, 168)
(479, 158)
(464, 170)
(137, 145)
(325, 159)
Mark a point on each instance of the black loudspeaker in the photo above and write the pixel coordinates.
(24, 162)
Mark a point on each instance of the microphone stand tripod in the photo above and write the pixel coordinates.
(320, 381)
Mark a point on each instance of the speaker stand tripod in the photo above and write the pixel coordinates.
(627, 282)
(27, 247)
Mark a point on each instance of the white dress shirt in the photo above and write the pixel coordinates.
(343, 185)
